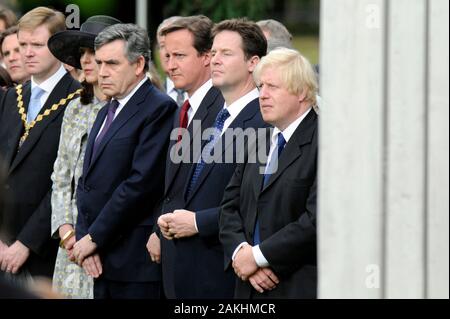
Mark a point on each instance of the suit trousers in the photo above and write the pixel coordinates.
(109, 289)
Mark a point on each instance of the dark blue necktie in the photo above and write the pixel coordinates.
(112, 108)
(271, 168)
(221, 117)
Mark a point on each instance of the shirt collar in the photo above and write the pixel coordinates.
(49, 84)
(124, 101)
(237, 106)
(196, 99)
(169, 85)
(289, 131)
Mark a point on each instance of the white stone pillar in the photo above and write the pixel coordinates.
(383, 167)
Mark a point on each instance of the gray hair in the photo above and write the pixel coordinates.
(137, 42)
(279, 36)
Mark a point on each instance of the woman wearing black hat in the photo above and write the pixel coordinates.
(75, 48)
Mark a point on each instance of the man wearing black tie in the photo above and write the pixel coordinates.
(268, 216)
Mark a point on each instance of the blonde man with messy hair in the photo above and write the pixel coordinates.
(295, 71)
(268, 223)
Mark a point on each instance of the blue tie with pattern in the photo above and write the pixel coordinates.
(271, 168)
(221, 117)
(34, 107)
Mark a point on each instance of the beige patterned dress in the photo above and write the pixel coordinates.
(69, 279)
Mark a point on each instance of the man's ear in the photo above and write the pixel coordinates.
(252, 63)
(140, 65)
(206, 58)
(302, 96)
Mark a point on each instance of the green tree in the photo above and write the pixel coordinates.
(218, 10)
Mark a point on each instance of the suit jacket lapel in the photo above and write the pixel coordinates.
(239, 122)
(92, 136)
(128, 111)
(61, 90)
(293, 150)
(206, 113)
(259, 167)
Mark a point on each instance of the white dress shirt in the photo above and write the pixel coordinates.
(49, 84)
(123, 102)
(237, 106)
(261, 261)
(171, 91)
(196, 99)
(234, 109)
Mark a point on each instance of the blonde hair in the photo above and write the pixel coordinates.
(54, 20)
(295, 71)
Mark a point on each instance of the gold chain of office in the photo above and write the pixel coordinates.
(40, 117)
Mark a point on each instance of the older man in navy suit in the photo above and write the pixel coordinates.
(123, 173)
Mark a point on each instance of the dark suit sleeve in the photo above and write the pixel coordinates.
(81, 228)
(231, 227)
(288, 248)
(143, 183)
(158, 209)
(36, 232)
(208, 221)
(2, 95)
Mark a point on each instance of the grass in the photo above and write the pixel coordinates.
(308, 46)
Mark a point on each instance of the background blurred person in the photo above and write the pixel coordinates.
(5, 79)
(7, 18)
(9, 48)
(276, 33)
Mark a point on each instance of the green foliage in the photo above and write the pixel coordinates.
(218, 10)
(87, 7)
(308, 46)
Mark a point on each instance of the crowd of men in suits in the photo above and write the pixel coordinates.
(149, 226)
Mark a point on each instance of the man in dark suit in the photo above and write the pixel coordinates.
(268, 216)
(191, 37)
(123, 173)
(29, 136)
(198, 270)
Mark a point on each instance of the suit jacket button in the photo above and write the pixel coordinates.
(167, 200)
(6, 186)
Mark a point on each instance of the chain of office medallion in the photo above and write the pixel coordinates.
(40, 117)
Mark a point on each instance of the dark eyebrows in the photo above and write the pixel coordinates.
(112, 61)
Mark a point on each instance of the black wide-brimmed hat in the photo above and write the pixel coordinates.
(65, 45)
